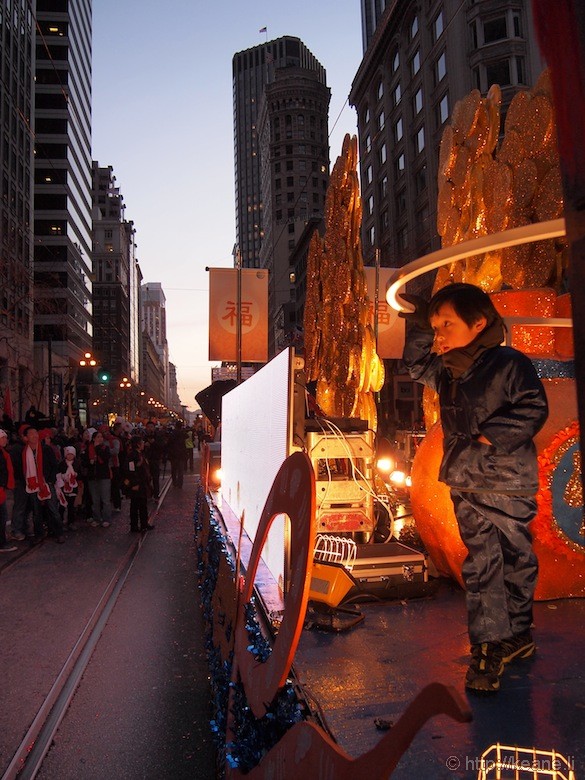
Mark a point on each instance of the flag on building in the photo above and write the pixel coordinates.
(263, 29)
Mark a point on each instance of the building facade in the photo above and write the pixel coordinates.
(154, 323)
(281, 105)
(62, 184)
(113, 257)
(421, 58)
(17, 40)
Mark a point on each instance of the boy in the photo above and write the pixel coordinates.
(492, 405)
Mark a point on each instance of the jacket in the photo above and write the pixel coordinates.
(500, 397)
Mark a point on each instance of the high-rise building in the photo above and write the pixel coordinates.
(281, 105)
(154, 322)
(17, 32)
(421, 58)
(62, 182)
(116, 325)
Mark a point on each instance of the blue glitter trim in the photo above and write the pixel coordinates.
(554, 369)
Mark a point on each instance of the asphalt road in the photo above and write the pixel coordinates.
(142, 708)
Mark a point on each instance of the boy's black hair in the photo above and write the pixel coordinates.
(469, 302)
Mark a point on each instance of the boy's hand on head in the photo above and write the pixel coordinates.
(420, 315)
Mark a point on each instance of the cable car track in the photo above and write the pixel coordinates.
(36, 743)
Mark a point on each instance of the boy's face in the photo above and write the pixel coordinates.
(451, 331)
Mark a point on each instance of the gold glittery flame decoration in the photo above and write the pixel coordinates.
(340, 348)
(485, 188)
(573, 494)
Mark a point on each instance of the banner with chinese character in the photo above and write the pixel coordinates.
(390, 326)
(223, 314)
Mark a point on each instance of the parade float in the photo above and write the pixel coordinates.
(499, 214)
(291, 477)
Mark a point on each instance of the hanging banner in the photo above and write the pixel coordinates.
(390, 326)
(223, 314)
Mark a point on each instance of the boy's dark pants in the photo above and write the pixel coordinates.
(501, 568)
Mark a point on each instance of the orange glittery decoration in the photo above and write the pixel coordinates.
(561, 561)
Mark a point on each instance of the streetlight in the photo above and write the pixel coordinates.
(126, 384)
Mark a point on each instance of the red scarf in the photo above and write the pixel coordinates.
(8, 459)
(35, 484)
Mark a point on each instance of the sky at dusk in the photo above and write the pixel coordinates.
(163, 119)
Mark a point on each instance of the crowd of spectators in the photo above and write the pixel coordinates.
(59, 479)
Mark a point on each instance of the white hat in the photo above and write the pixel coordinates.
(3, 433)
(69, 451)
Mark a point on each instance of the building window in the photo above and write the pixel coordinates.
(372, 236)
(398, 130)
(418, 102)
(370, 205)
(438, 27)
(498, 73)
(420, 179)
(380, 90)
(290, 181)
(443, 110)
(369, 174)
(383, 154)
(420, 140)
(520, 71)
(415, 63)
(441, 68)
(368, 143)
(495, 30)
(397, 95)
(383, 187)
(413, 27)
(381, 120)
(399, 165)
(395, 61)
(366, 115)
(517, 26)
(401, 202)
(402, 238)
(384, 221)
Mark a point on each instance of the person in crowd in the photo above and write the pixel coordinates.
(6, 483)
(189, 447)
(116, 444)
(96, 458)
(492, 405)
(32, 416)
(176, 452)
(67, 486)
(138, 485)
(154, 450)
(35, 471)
(199, 432)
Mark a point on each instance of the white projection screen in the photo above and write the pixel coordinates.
(256, 425)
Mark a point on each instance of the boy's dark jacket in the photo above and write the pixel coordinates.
(499, 396)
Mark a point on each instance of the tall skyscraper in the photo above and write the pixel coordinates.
(115, 291)
(281, 105)
(63, 182)
(16, 164)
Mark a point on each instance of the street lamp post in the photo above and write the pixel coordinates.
(126, 384)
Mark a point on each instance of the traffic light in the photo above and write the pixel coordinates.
(103, 375)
